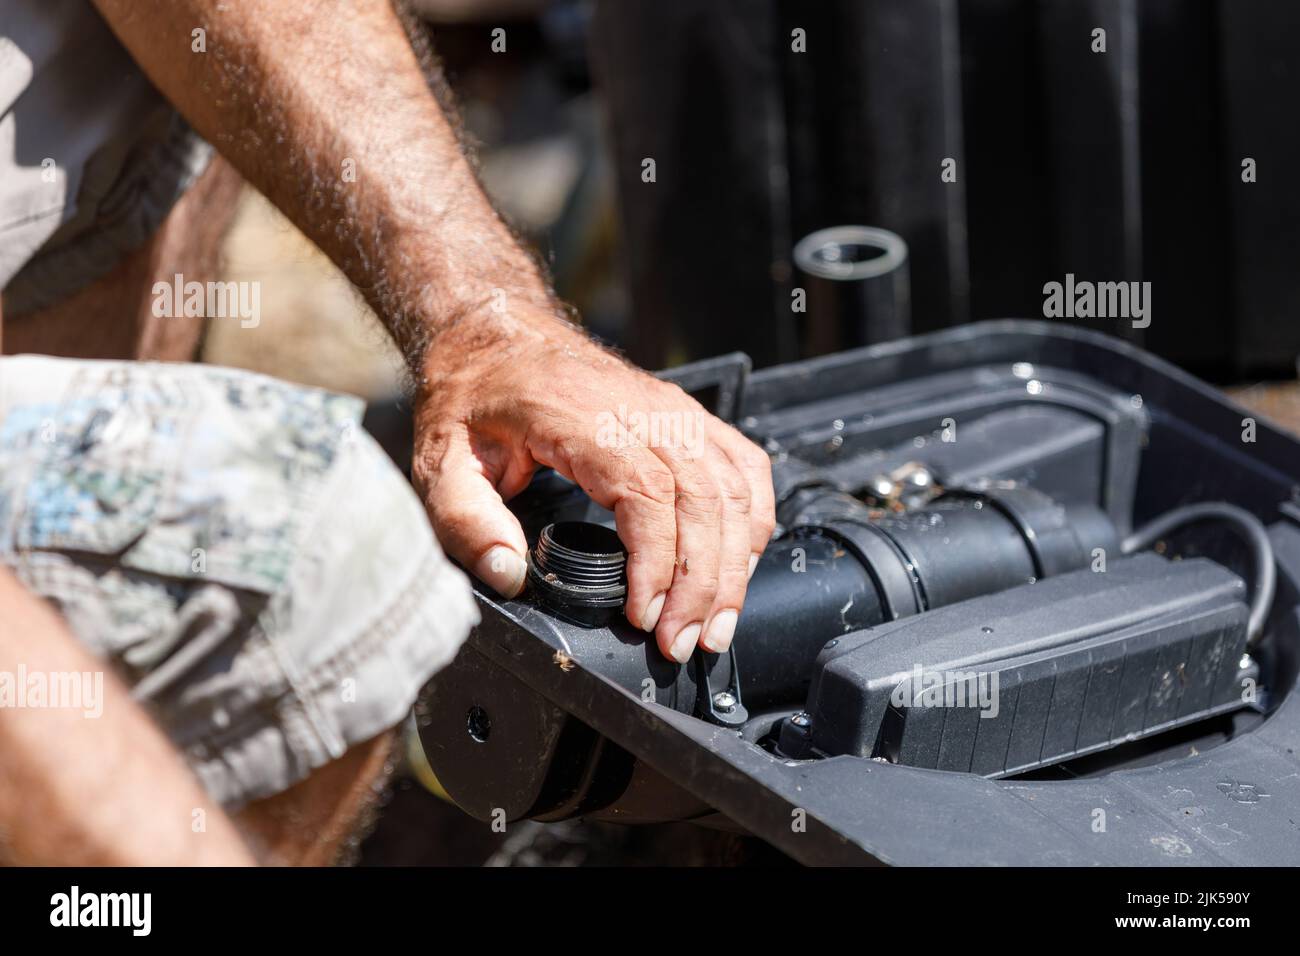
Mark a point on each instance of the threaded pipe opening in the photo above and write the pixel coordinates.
(581, 554)
(579, 569)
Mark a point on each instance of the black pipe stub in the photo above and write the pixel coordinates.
(850, 253)
(578, 569)
(857, 287)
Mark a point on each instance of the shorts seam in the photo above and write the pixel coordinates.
(28, 218)
(389, 624)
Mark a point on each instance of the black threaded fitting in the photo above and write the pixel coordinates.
(579, 570)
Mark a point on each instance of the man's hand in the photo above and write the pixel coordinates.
(692, 497)
(324, 107)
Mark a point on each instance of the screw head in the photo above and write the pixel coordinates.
(801, 719)
(920, 478)
(882, 487)
(724, 700)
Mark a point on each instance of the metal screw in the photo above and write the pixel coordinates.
(724, 700)
(801, 719)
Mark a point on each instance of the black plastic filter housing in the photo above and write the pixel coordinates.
(859, 569)
(569, 742)
(853, 569)
(1032, 676)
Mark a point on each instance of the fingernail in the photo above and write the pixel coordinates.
(753, 563)
(721, 629)
(684, 642)
(502, 570)
(652, 611)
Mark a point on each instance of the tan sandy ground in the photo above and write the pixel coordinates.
(314, 329)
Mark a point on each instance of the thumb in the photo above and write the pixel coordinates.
(471, 521)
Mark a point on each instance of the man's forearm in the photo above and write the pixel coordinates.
(324, 108)
(96, 783)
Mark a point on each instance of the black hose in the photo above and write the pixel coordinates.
(1252, 532)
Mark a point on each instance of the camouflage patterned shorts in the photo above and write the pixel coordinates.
(239, 549)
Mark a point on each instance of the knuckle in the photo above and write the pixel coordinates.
(654, 484)
(426, 463)
(449, 508)
(735, 493)
(756, 459)
(699, 498)
(653, 558)
(670, 392)
(570, 449)
(450, 522)
(424, 479)
(706, 584)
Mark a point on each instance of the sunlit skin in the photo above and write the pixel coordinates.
(325, 109)
(294, 95)
(65, 801)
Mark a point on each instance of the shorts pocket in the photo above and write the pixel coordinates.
(96, 472)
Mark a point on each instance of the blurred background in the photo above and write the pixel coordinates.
(1117, 166)
(768, 120)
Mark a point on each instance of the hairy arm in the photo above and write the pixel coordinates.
(95, 784)
(324, 108)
